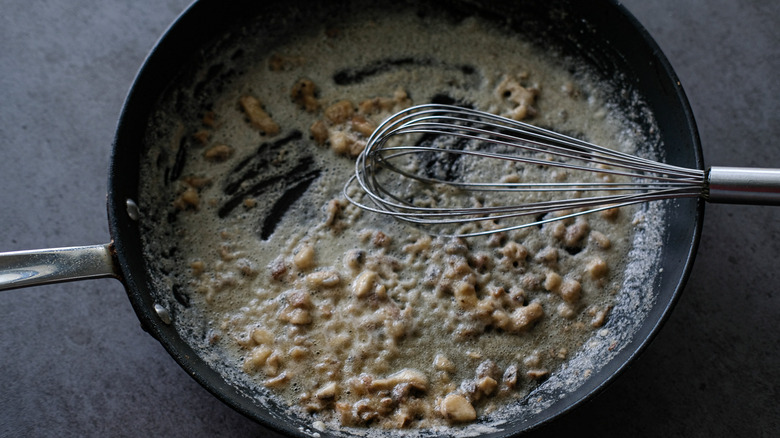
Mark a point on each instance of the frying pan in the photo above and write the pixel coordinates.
(603, 33)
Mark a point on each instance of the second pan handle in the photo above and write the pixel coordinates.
(744, 185)
(43, 266)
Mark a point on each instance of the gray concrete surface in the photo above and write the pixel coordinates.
(74, 361)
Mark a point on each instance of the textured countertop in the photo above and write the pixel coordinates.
(75, 362)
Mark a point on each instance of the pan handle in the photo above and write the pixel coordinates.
(744, 185)
(43, 266)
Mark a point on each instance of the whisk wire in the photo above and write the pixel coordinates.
(389, 175)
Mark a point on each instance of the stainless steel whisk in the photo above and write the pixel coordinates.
(415, 168)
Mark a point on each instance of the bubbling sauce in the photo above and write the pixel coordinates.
(349, 317)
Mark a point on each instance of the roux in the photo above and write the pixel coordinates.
(350, 317)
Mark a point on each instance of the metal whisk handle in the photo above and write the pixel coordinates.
(743, 185)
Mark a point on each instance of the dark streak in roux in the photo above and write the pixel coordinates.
(182, 297)
(300, 171)
(356, 75)
(442, 165)
(266, 172)
(257, 162)
(178, 164)
(284, 203)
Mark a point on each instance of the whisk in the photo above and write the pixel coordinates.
(431, 165)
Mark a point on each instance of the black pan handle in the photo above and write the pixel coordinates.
(55, 265)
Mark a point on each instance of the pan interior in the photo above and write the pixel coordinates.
(219, 75)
